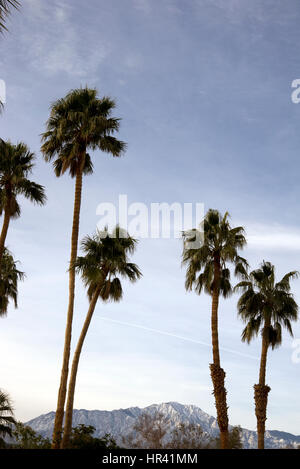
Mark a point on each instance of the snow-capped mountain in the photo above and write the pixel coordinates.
(119, 422)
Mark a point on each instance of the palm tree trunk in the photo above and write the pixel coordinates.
(73, 375)
(261, 391)
(217, 373)
(59, 415)
(4, 231)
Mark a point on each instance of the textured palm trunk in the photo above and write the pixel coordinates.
(261, 392)
(73, 375)
(4, 231)
(217, 373)
(59, 415)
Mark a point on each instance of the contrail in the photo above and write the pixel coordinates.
(180, 337)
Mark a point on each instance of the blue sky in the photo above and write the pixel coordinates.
(203, 88)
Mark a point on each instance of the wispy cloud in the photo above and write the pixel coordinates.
(58, 46)
(142, 5)
(273, 236)
(256, 11)
(146, 6)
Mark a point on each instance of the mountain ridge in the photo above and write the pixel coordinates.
(119, 422)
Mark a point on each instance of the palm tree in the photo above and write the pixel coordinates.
(105, 261)
(79, 122)
(5, 6)
(16, 164)
(6, 415)
(9, 277)
(265, 306)
(207, 269)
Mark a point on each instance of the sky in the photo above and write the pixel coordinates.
(203, 88)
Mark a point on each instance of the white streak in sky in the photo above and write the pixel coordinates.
(188, 339)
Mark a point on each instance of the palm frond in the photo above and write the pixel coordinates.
(6, 415)
(9, 279)
(251, 330)
(5, 10)
(284, 283)
(31, 191)
(16, 164)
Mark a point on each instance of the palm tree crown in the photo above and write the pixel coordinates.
(106, 258)
(220, 245)
(78, 122)
(16, 164)
(265, 305)
(9, 278)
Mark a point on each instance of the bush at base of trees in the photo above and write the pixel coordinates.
(234, 439)
(81, 438)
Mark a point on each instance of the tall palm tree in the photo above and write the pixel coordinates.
(9, 277)
(16, 164)
(105, 261)
(207, 269)
(5, 8)
(265, 306)
(79, 122)
(6, 415)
